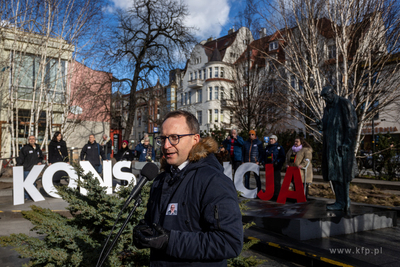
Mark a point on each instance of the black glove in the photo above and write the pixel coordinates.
(158, 241)
(141, 228)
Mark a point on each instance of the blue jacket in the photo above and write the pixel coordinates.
(253, 154)
(142, 151)
(278, 155)
(237, 148)
(208, 228)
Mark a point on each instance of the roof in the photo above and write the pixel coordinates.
(221, 44)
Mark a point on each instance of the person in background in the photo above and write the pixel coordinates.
(92, 152)
(124, 154)
(146, 151)
(205, 227)
(252, 150)
(274, 154)
(223, 155)
(300, 155)
(29, 156)
(106, 144)
(234, 145)
(58, 152)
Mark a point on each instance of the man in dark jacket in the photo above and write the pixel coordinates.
(275, 154)
(29, 155)
(92, 152)
(207, 228)
(234, 144)
(252, 150)
(339, 126)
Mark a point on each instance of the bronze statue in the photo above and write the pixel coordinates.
(339, 126)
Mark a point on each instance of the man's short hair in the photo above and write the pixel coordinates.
(233, 129)
(146, 139)
(191, 120)
(105, 135)
(92, 135)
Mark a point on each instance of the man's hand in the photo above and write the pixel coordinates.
(319, 124)
(159, 240)
(142, 227)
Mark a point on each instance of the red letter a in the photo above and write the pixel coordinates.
(298, 193)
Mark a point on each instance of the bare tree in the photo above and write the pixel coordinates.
(347, 44)
(42, 38)
(150, 38)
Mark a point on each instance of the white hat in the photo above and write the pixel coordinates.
(273, 137)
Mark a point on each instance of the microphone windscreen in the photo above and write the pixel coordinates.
(150, 171)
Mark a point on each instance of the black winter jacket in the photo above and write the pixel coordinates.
(208, 228)
(124, 154)
(90, 152)
(55, 148)
(277, 153)
(28, 157)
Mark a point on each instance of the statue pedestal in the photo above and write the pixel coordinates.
(310, 220)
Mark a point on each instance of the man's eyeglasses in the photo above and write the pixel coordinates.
(173, 139)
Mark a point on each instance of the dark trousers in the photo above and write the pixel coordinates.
(247, 181)
(235, 165)
(277, 182)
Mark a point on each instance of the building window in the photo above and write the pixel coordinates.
(216, 72)
(185, 99)
(28, 72)
(222, 93)
(200, 116)
(195, 75)
(139, 122)
(231, 117)
(200, 74)
(190, 97)
(210, 116)
(191, 76)
(172, 93)
(222, 72)
(210, 93)
(222, 116)
(232, 94)
(199, 96)
(332, 51)
(210, 74)
(204, 74)
(216, 115)
(181, 99)
(273, 46)
(216, 92)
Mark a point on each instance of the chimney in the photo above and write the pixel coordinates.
(209, 39)
(262, 32)
(231, 30)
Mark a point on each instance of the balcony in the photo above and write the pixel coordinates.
(195, 83)
(226, 103)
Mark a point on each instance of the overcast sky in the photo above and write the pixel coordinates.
(211, 17)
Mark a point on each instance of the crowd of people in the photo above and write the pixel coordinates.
(233, 149)
(237, 151)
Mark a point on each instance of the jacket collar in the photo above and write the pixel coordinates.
(202, 149)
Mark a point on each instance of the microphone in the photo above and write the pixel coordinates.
(148, 173)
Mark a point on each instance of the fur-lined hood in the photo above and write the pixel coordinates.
(202, 149)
